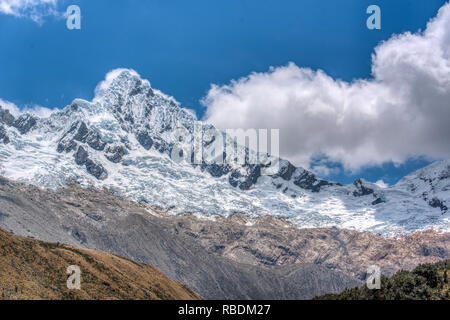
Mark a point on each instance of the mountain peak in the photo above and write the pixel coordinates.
(127, 82)
(120, 85)
(119, 80)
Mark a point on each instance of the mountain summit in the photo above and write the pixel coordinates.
(136, 141)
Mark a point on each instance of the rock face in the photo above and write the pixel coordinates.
(97, 219)
(244, 179)
(32, 269)
(115, 153)
(4, 135)
(145, 140)
(97, 170)
(25, 123)
(6, 117)
(436, 203)
(309, 181)
(272, 242)
(81, 156)
(79, 132)
(361, 189)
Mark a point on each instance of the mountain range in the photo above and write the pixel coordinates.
(125, 138)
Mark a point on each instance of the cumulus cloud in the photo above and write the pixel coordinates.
(35, 10)
(402, 111)
(37, 110)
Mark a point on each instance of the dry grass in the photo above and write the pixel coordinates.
(32, 269)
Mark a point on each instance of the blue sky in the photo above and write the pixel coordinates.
(183, 47)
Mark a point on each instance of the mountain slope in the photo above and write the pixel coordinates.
(32, 269)
(97, 219)
(130, 137)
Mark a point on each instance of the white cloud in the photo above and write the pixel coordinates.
(35, 10)
(324, 171)
(37, 110)
(402, 112)
(382, 184)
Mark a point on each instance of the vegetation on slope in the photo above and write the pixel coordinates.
(32, 269)
(425, 282)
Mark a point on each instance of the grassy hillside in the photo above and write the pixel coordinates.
(426, 282)
(31, 269)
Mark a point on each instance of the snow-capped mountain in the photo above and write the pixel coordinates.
(126, 138)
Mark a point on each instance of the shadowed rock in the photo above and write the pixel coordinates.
(309, 181)
(361, 189)
(97, 170)
(6, 117)
(4, 135)
(145, 140)
(115, 153)
(25, 123)
(81, 156)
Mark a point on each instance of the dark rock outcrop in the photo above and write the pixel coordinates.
(115, 153)
(6, 117)
(25, 123)
(377, 201)
(216, 170)
(96, 169)
(81, 156)
(162, 146)
(3, 135)
(91, 137)
(286, 172)
(436, 203)
(66, 145)
(80, 132)
(308, 181)
(67, 142)
(145, 140)
(150, 93)
(94, 140)
(245, 181)
(361, 189)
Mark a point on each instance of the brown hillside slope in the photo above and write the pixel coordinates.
(32, 269)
